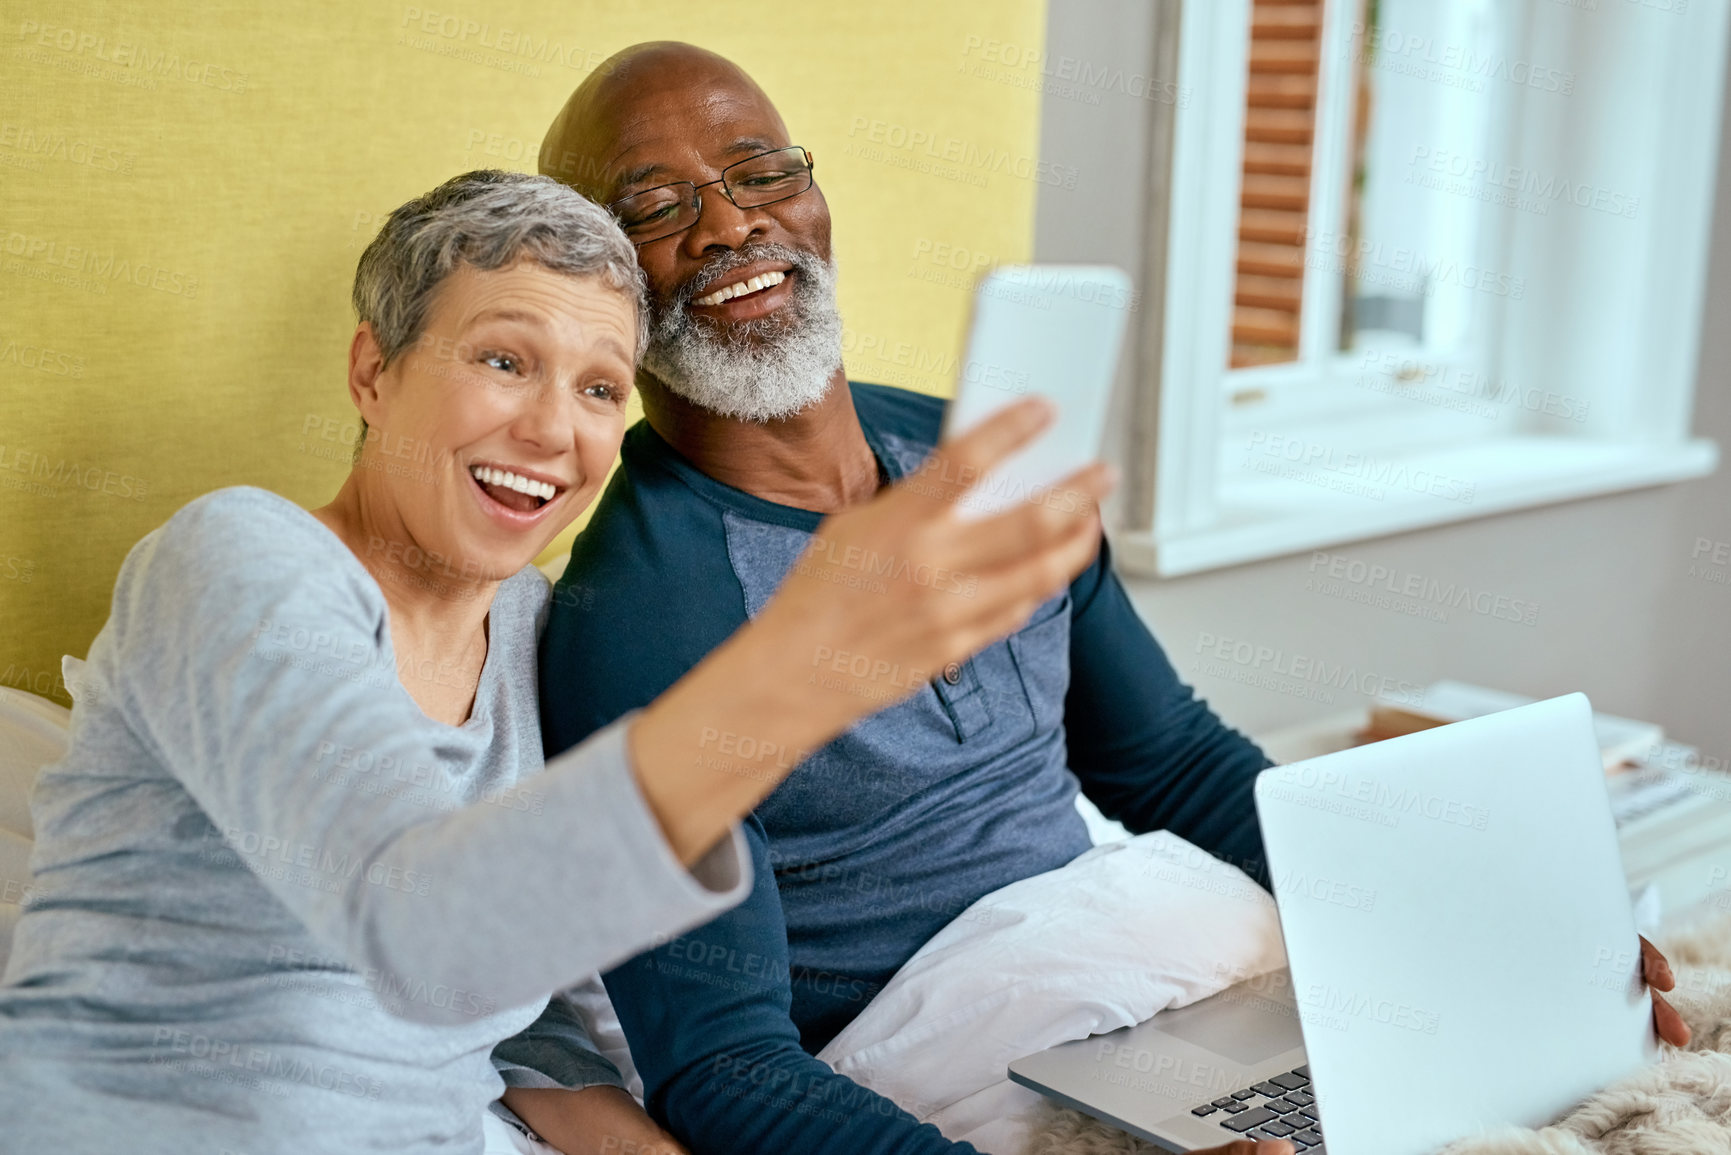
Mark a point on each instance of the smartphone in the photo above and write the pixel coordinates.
(1049, 330)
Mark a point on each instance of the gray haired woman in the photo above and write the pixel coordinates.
(303, 866)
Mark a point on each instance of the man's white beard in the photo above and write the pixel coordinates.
(760, 370)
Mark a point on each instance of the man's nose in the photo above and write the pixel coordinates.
(723, 225)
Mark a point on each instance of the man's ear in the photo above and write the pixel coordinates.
(366, 364)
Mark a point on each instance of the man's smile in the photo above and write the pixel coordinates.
(748, 292)
(741, 288)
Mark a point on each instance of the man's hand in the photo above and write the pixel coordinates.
(1251, 1147)
(1670, 1025)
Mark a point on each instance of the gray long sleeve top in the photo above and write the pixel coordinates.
(276, 907)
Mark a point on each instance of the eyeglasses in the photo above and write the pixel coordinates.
(751, 183)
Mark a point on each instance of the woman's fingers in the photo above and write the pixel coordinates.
(1006, 597)
(902, 583)
(1027, 527)
(958, 463)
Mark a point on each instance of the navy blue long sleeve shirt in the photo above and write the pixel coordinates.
(875, 842)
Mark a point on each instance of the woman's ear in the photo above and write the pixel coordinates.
(366, 364)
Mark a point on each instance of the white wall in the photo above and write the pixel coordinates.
(1619, 615)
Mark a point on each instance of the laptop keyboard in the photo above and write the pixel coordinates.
(1278, 1108)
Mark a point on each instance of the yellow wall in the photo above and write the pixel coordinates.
(184, 190)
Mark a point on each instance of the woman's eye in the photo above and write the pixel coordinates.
(504, 362)
(602, 390)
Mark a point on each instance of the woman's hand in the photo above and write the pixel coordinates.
(886, 595)
(590, 1121)
(891, 591)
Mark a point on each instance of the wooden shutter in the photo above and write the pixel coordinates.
(1279, 141)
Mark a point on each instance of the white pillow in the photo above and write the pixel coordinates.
(1110, 939)
(1122, 932)
(33, 733)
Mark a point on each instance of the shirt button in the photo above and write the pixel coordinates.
(952, 673)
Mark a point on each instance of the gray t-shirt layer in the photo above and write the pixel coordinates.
(276, 907)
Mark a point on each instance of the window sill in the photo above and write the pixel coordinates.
(1262, 515)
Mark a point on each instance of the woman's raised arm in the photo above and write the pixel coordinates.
(251, 652)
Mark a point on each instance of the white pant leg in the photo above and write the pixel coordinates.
(504, 1139)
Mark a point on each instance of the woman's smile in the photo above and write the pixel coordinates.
(518, 497)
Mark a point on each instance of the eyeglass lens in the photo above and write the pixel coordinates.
(751, 183)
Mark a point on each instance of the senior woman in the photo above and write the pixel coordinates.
(303, 867)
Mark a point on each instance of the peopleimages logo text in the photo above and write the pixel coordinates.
(1362, 257)
(1374, 471)
(1389, 44)
(1370, 792)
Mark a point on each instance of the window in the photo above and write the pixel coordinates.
(1426, 260)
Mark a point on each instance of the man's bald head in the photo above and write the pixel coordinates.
(633, 84)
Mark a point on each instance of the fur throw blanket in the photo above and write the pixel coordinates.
(1680, 1106)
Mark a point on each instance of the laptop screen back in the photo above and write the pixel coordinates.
(1462, 946)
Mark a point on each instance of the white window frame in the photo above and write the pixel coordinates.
(1209, 511)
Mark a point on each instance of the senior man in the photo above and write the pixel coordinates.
(752, 434)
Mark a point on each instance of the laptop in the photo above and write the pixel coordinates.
(1461, 948)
